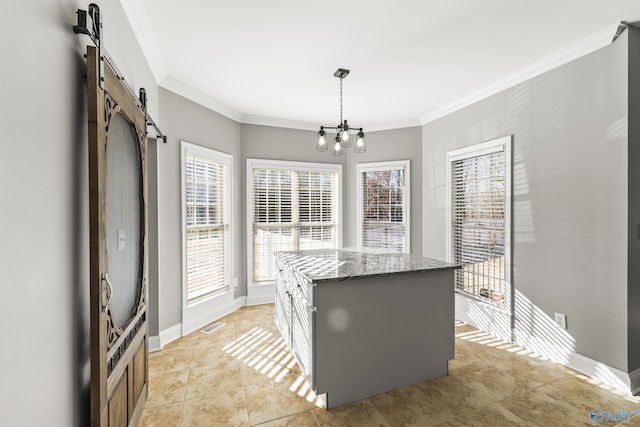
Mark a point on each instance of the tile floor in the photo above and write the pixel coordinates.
(242, 375)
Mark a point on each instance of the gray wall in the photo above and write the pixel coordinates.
(634, 201)
(388, 145)
(263, 142)
(44, 247)
(569, 130)
(184, 120)
(153, 301)
(273, 143)
(570, 197)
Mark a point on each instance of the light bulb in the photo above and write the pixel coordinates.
(360, 144)
(344, 136)
(321, 142)
(337, 146)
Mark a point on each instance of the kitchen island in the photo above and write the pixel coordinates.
(363, 323)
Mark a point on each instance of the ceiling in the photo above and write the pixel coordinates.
(411, 61)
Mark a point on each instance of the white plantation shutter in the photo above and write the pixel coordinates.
(316, 206)
(207, 200)
(383, 202)
(293, 208)
(272, 219)
(478, 226)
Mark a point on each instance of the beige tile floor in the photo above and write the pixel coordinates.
(242, 375)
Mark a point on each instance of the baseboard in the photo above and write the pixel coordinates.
(155, 343)
(611, 376)
(484, 316)
(634, 380)
(208, 311)
(496, 323)
(261, 294)
(172, 333)
(195, 321)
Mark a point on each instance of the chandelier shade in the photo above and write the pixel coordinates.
(321, 143)
(343, 131)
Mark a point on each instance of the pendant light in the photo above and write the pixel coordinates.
(344, 133)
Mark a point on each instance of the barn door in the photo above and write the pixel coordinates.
(118, 272)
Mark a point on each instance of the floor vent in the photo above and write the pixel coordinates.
(212, 328)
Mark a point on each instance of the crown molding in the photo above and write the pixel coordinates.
(134, 10)
(135, 13)
(583, 47)
(314, 126)
(185, 91)
(181, 89)
(396, 124)
(279, 123)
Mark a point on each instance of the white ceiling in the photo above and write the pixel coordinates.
(411, 61)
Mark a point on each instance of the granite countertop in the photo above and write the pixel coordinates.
(329, 265)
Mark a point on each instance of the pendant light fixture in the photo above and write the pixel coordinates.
(343, 131)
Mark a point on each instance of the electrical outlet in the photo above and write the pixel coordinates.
(235, 282)
(561, 320)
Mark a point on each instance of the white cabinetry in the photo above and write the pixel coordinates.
(295, 317)
(283, 308)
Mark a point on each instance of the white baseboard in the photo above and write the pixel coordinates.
(497, 323)
(196, 320)
(155, 343)
(620, 380)
(197, 316)
(172, 333)
(484, 316)
(261, 294)
(611, 376)
(634, 379)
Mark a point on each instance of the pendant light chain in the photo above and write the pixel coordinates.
(340, 101)
(343, 131)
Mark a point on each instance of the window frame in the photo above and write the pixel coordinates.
(187, 149)
(288, 165)
(406, 199)
(476, 150)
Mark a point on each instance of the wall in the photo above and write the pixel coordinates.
(273, 143)
(44, 247)
(188, 121)
(634, 201)
(388, 145)
(153, 301)
(184, 120)
(569, 130)
(263, 142)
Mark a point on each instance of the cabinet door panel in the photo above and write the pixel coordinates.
(283, 309)
(302, 333)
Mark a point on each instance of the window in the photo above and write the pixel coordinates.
(383, 205)
(479, 189)
(206, 213)
(292, 206)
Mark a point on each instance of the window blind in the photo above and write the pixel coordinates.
(383, 212)
(293, 209)
(207, 227)
(478, 224)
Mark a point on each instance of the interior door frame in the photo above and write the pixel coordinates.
(116, 354)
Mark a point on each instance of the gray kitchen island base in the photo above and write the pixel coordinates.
(382, 333)
(367, 334)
